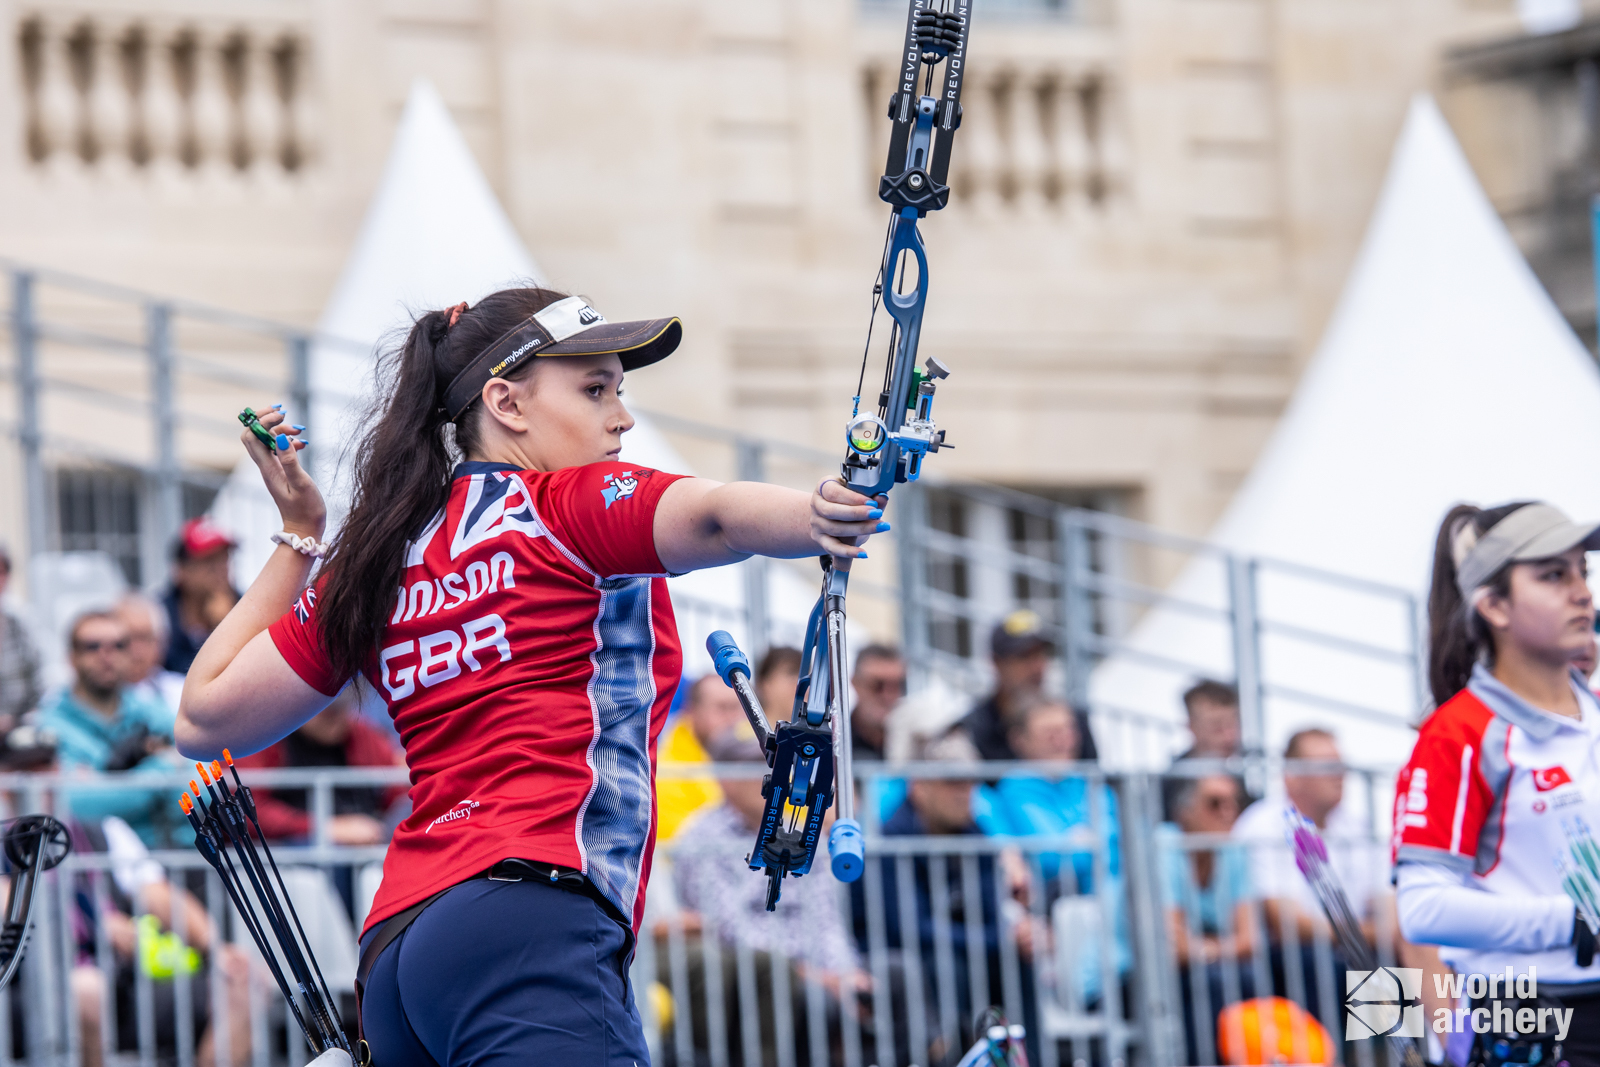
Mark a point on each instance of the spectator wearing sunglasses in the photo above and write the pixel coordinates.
(1206, 892)
(880, 683)
(103, 724)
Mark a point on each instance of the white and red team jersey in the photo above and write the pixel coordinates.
(1486, 792)
(528, 665)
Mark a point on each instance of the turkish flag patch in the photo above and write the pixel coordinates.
(1548, 778)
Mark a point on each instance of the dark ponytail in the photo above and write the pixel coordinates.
(402, 468)
(1458, 637)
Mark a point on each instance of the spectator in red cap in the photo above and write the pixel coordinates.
(201, 592)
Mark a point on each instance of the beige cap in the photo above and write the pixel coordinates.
(1533, 531)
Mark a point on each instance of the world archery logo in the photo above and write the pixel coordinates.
(1386, 1002)
(619, 487)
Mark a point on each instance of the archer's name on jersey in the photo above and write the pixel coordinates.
(528, 663)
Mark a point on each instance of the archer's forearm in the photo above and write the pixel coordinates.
(757, 519)
(269, 596)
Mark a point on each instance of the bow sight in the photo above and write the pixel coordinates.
(882, 450)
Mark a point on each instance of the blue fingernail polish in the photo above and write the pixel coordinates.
(875, 513)
(283, 442)
(278, 406)
(861, 555)
(883, 527)
(301, 428)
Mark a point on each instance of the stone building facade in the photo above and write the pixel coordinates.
(1156, 200)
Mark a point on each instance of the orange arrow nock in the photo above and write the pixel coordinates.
(204, 777)
(216, 770)
(227, 757)
(195, 786)
(186, 804)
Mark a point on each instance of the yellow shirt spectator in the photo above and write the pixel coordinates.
(711, 710)
(678, 798)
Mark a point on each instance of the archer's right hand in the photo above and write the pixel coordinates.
(299, 502)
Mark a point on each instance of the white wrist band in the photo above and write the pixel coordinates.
(306, 546)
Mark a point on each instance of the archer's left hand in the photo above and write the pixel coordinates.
(839, 513)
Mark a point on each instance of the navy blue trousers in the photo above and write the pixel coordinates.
(501, 973)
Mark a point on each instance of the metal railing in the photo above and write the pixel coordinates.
(1097, 941)
(110, 375)
(1078, 934)
(113, 376)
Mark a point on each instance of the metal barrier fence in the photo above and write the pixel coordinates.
(131, 384)
(108, 378)
(1102, 938)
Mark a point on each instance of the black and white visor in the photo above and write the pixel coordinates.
(569, 327)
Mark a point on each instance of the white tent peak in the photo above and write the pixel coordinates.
(434, 233)
(1446, 374)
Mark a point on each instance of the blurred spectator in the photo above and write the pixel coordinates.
(19, 661)
(172, 936)
(1019, 807)
(1362, 870)
(724, 897)
(1207, 890)
(1206, 893)
(1361, 863)
(337, 736)
(1213, 711)
(102, 724)
(1023, 807)
(1021, 654)
(711, 711)
(201, 592)
(879, 682)
(776, 678)
(146, 623)
(942, 807)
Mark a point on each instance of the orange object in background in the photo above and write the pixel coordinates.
(1295, 1036)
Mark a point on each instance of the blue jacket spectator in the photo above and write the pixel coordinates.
(1021, 807)
(1026, 807)
(101, 724)
(1206, 891)
(942, 807)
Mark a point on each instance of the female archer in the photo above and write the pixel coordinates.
(1502, 768)
(500, 582)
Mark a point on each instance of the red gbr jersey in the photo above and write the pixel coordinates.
(528, 666)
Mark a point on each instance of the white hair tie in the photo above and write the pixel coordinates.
(306, 546)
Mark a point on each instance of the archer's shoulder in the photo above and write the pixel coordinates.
(1461, 718)
(605, 485)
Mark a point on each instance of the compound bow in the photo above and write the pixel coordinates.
(812, 751)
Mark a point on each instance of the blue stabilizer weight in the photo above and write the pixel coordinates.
(846, 849)
(726, 657)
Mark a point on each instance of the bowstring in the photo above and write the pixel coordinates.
(877, 296)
